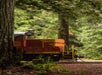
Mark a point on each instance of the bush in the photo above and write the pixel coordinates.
(38, 61)
(40, 66)
(28, 65)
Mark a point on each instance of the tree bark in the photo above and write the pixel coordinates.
(64, 28)
(6, 31)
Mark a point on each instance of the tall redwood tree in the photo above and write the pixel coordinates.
(6, 31)
(63, 28)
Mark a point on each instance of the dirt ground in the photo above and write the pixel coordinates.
(89, 67)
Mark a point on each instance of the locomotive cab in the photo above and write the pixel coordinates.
(19, 38)
(19, 43)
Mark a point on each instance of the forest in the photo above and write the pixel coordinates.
(72, 23)
(83, 19)
(78, 22)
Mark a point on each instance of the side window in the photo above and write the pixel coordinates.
(29, 34)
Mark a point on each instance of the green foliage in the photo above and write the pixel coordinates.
(28, 65)
(84, 19)
(88, 27)
(41, 68)
(90, 35)
(42, 23)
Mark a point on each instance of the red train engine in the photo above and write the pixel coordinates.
(31, 48)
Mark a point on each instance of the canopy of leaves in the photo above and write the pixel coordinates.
(41, 22)
(84, 19)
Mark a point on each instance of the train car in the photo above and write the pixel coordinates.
(31, 48)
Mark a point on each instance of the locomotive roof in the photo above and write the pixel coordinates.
(19, 33)
(16, 34)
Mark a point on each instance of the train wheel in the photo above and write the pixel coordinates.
(56, 57)
(47, 58)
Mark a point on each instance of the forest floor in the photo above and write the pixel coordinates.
(85, 67)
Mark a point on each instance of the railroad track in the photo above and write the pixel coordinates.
(80, 62)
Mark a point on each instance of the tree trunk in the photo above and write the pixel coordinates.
(64, 29)
(6, 31)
